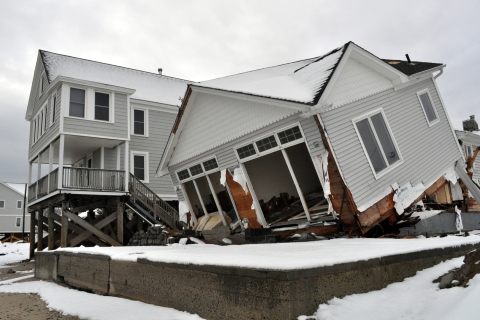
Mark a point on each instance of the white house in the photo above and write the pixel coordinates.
(12, 210)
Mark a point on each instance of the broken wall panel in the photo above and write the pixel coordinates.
(243, 202)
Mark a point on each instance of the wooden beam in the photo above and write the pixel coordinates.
(86, 234)
(91, 228)
(31, 237)
(99, 204)
(40, 231)
(64, 231)
(51, 233)
(78, 230)
(120, 211)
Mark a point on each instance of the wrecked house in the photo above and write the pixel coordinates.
(343, 142)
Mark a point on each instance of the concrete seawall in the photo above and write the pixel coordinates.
(215, 292)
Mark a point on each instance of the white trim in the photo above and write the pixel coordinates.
(437, 120)
(215, 199)
(53, 100)
(129, 110)
(118, 157)
(97, 85)
(145, 163)
(157, 106)
(102, 157)
(145, 122)
(389, 167)
(257, 207)
(204, 173)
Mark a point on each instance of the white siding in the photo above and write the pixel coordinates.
(427, 151)
(356, 82)
(216, 120)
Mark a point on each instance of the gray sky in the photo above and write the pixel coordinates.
(201, 40)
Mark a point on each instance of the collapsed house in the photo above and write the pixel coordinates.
(343, 142)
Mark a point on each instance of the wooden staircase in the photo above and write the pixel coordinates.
(151, 206)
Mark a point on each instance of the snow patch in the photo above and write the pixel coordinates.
(406, 195)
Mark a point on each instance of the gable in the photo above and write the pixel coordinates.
(356, 81)
(39, 71)
(215, 120)
(8, 192)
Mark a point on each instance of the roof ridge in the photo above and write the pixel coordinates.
(324, 56)
(109, 64)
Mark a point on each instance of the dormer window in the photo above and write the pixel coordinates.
(77, 103)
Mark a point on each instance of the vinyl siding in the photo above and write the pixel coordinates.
(9, 214)
(118, 129)
(110, 160)
(426, 151)
(50, 132)
(226, 155)
(160, 125)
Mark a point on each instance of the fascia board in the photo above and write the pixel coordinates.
(427, 72)
(157, 105)
(94, 84)
(249, 97)
(36, 75)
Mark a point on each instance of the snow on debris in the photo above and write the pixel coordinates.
(13, 252)
(279, 256)
(148, 86)
(297, 81)
(414, 298)
(92, 306)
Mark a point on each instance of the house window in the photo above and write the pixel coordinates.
(377, 141)
(45, 119)
(266, 144)
(427, 105)
(18, 222)
(246, 151)
(290, 135)
(102, 106)
(139, 122)
(19, 204)
(77, 103)
(210, 164)
(52, 110)
(2, 204)
(182, 175)
(139, 167)
(196, 170)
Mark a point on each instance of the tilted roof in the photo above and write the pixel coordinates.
(413, 67)
(149, 86)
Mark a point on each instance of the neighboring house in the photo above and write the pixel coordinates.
(11, 209)
(93, 124)
(470, 140)
(368, 134)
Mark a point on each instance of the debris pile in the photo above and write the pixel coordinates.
(155, 236)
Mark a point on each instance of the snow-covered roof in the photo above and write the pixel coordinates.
(300, 81)
(149, 86)
(17, 187)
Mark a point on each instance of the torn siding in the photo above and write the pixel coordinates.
(427, 151)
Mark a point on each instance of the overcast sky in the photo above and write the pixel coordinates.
(201, 40)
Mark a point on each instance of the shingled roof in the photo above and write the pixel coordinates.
(412, 67)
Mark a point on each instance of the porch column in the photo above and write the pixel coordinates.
(299, 190)
(102, 164)
(39, 171)
(200, 198)
(189, 204)
(258, 208)
(51, 233)
(31, 236)
(118, 157)
(64, 229)
(30, 166)
(60, 161)
(127, 166)
(40, 231)
(50, 164)
(215, 198)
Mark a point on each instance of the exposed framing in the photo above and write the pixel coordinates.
(389, 167)
(419, 93)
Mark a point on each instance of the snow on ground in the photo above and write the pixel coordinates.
(91, 306)
(414, 298)
(280, 256)
(13, 252)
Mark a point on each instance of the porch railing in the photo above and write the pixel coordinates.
(93, 179)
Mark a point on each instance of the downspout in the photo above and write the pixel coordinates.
(438, 74)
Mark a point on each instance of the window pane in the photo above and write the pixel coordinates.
(139, 167)
(138, 115)
(138, 128)
(2, 203)
(77, 95)
(210, 164)
(428, 107)
(246, 151)
(182, 175)
(289, 135)
(371, 145)
(267, 143)
(101, 113)
(102, 99)
(385, 139)
(197, 169)
(77, 110)
(18, 222)
(19, 204)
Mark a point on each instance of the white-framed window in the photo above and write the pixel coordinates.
(199, 169)
(428, 107)
(19, 204)
(139, 165)
(53, 108)
(77, 103)
(102, 106)
(274, 141)
(2, 204)
(18, 222)
(378, 142)
(140, 122)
